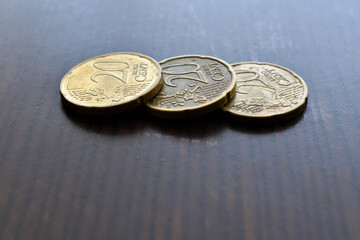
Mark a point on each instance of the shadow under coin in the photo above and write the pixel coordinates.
(192, 128)
(253, 126)
(127, 123)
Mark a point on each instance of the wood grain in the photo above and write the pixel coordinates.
(133, 176)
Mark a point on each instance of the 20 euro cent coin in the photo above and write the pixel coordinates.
(193, 85)
(266, 91)
(111, 83)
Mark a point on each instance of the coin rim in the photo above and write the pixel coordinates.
(296, 110)
(197, 110)
(133, 102)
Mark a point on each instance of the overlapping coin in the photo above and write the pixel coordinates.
(266, 92)
(193, 85)
(111, 83)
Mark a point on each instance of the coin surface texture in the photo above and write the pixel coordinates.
(265, 90)
(111, 83)
(193, 85)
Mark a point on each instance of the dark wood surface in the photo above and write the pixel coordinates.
(133, 176)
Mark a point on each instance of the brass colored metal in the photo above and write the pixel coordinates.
(266, 91)
(111, 83)
(193, 85)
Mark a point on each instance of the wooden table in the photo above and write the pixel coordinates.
(133, 176)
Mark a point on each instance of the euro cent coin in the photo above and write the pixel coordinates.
(193, 85)
(266, 91)
(111, 83)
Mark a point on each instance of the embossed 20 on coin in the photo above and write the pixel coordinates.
(111, 83)
(193, 85)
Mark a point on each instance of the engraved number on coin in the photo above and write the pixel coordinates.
(252, 81)
(110, 68)
(188, 74)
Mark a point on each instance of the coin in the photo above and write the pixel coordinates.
(193, 85)
(266, 91)
(111, 83)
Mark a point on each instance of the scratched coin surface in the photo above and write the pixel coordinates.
(111, 83)
(265, 90)
(193, 85)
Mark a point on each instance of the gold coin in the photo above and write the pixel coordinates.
(193, 85)
(111, 83)
(266, 91)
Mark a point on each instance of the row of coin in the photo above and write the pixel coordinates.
(183, 86)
